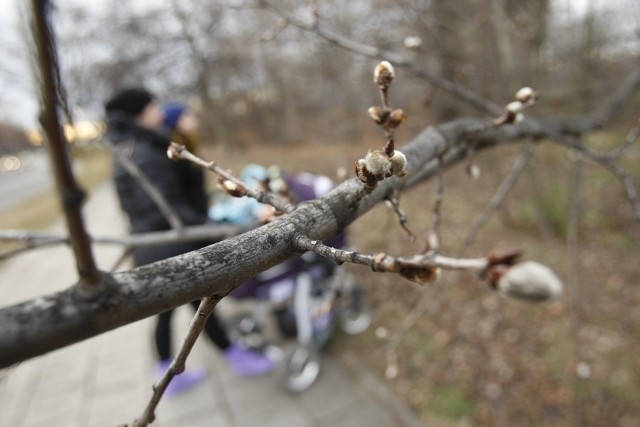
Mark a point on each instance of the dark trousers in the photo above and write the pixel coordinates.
(213, 328)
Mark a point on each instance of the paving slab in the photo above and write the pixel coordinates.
(107, 380)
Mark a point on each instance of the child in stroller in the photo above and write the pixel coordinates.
(308, 295)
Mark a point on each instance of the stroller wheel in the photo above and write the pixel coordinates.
(301, 368)
(355, 318)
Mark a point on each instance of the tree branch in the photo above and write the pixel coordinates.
(53, 321)
(452, 88)
(70, 192)
(35, 239)
(206, 307)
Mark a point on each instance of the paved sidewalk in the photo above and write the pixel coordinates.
(107, 380)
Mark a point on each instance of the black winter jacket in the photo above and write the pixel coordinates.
(179, 182)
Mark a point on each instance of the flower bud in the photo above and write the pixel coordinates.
(233, 189)
(383, 74)
(396, 117)
(379, 115)
(526, 95)
(398, 163)
(378, 163)
(364, 175)
(530, 281)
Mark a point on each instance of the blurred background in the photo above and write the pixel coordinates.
(267, 92)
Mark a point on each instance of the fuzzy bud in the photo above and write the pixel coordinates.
(383, 74)
(398, 163)
(515, 107)
(396, 117)
(530, 281)
(378, 163)
(378, 114)
(526, 95)
(363, 174)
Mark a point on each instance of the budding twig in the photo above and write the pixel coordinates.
(232, 185)
(529, 281)
(380, 164)
(177, 366)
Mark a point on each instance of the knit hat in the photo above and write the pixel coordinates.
(129, 101)
(172, 113)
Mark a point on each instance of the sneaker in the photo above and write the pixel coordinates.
(247, 363)
(182, 382)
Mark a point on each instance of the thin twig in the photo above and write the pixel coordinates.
(499, 196)
(454, 89)
(206, 307)
(147, 186)
(177, 151)
(70, 192)
(394, 203)
(38, 239)
(629, 140)
(437, 207)
(382, 262)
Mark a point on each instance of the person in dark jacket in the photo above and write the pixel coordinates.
(134, 125)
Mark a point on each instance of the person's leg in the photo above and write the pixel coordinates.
(188, 378)
(242, 361)
(163, 335)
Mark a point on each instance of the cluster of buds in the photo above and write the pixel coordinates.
(380, 164)
(529, 281)
(525, 98)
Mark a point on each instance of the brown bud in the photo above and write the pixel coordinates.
(233, 189)
(421, 275)
(396, 117)
(378, 114)
(383, 74)
(363, 174)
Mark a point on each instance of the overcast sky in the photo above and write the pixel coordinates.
(19, 100)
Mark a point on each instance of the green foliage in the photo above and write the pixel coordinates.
(451, 403)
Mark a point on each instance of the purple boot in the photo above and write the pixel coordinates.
(183, 382)
(247, 363)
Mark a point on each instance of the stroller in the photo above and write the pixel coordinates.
(308, 296)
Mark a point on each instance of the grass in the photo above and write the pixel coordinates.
(42, 210)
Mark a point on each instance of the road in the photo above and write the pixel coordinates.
(32, 178)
